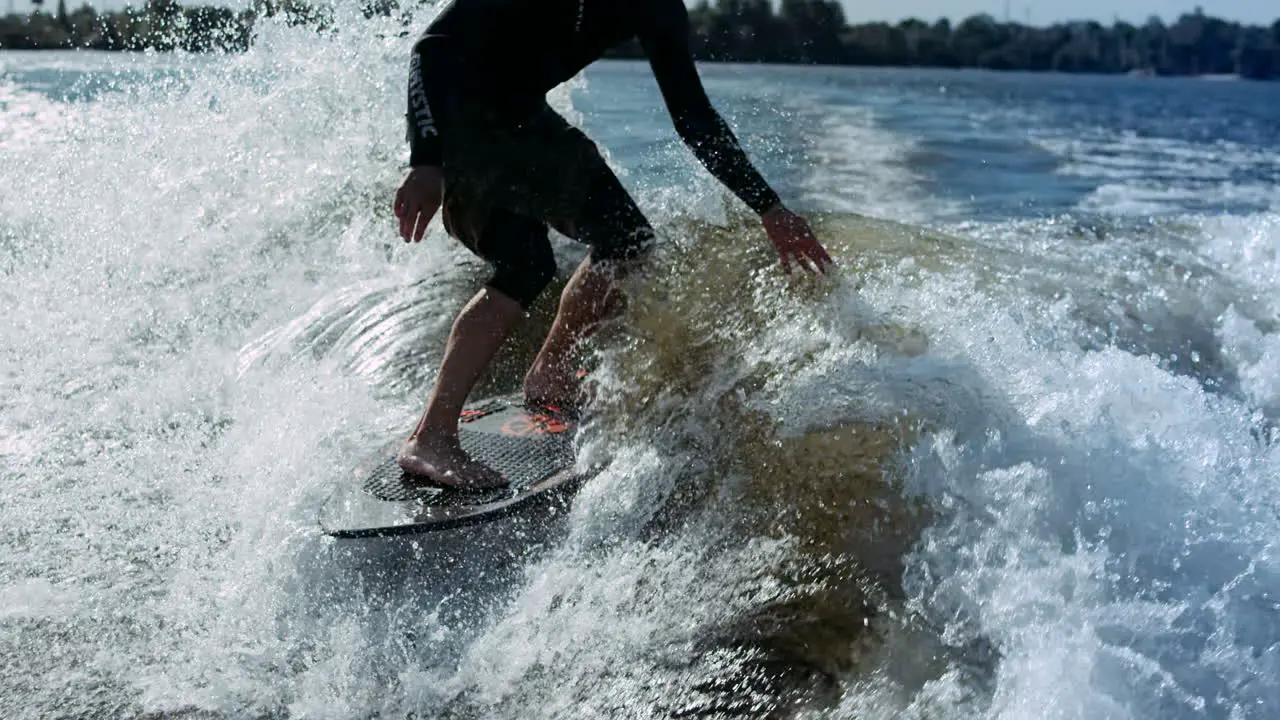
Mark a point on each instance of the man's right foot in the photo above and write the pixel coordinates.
(443, 461)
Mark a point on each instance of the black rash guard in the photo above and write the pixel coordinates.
(510, 53)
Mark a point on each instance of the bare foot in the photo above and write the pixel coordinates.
(443, 460)
(549, 385)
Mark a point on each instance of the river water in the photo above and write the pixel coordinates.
(1020, 459)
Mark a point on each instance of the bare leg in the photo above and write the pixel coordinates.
(587, 299)
(433, 450)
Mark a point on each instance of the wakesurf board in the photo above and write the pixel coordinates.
(532, 446)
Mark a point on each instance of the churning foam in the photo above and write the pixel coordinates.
(202, 280)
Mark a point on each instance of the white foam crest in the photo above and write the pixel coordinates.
(861, 167)
(244, 607)
(166, 224)
(1257, 355)
(1249, 249)
(27, 118)
(1139, 175)
(1086, 519)
(1104, 524)
(1142, 197)
(609, 633)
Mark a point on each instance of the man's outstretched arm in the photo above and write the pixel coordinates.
(666, 43)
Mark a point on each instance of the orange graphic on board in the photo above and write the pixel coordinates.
(536, 424)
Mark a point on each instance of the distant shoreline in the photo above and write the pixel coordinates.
(803, 32)
(816, 66)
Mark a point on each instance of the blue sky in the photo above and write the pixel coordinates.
(1039, 11)
(1046, 11)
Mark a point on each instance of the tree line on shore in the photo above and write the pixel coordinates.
(793, 31)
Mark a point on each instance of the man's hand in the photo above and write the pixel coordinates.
(417, 201)
(794, 241)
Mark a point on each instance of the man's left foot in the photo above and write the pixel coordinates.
(442, 460)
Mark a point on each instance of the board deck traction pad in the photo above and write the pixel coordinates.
(531, 446)
(525, 446)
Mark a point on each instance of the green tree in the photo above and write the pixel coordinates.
(810, 31)
(815, 29)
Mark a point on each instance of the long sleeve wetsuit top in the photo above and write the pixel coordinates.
(510, 53)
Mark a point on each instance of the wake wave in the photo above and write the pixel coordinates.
(1018, 468)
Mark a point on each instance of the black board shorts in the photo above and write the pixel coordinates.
(509, 175)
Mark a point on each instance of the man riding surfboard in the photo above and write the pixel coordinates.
(504, 166)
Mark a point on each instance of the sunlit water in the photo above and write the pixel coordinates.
(1018, 460)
